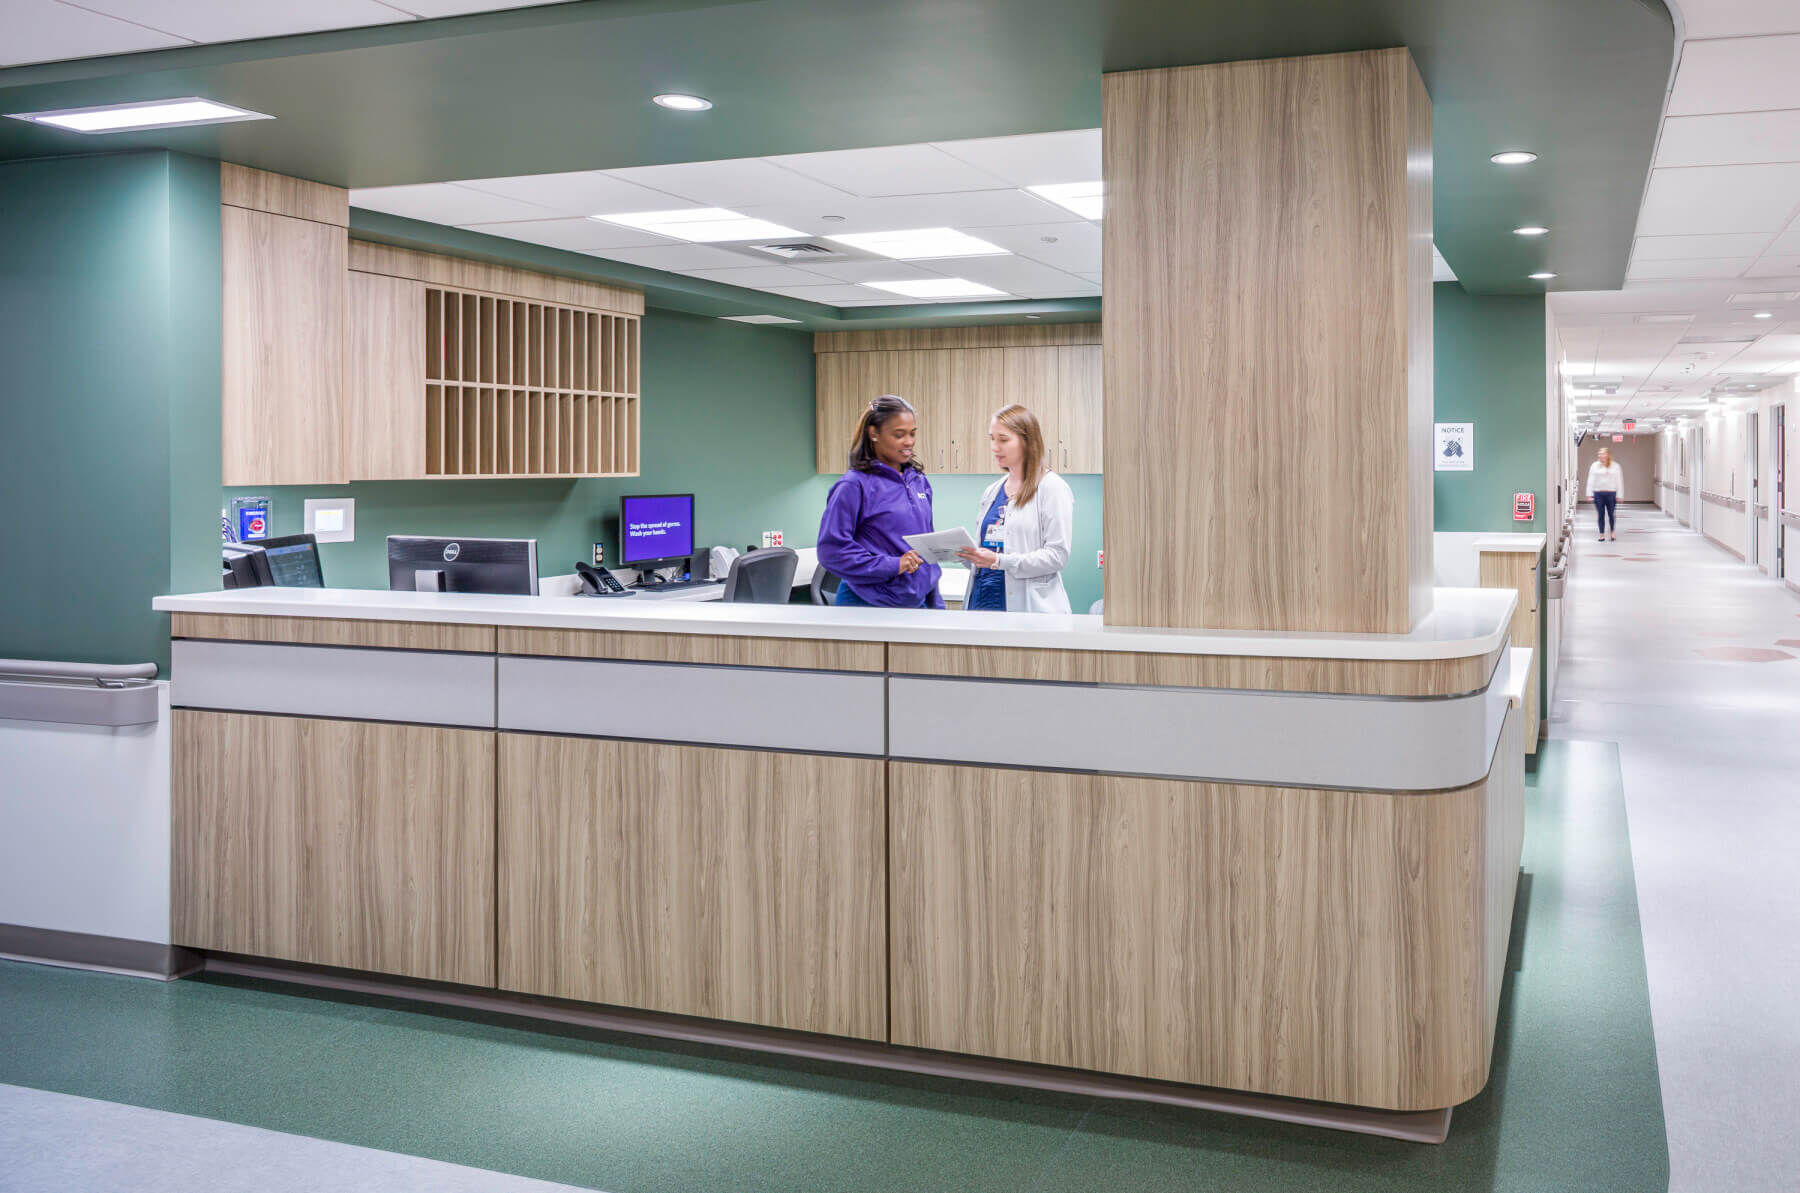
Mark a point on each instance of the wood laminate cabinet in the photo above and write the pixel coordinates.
(730, 884)
(282, 349)
(956, 382)
(347, 843)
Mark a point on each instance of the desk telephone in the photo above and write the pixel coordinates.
(597, 581)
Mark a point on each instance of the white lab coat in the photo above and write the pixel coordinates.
(1036, 545)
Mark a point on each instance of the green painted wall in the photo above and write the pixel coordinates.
(109, 330)
(1489, 352)
(727, 416)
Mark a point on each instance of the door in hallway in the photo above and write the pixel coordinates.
(1779, 503)
(1752, 470)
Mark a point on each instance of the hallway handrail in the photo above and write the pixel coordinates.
(106, 694)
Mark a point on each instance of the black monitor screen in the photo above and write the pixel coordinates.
(656, 528)
(294, 562)
(494, 566)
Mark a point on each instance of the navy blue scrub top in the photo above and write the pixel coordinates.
(987, 589)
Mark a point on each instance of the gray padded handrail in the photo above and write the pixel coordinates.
(79, 693)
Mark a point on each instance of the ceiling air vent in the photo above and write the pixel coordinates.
(798, 250)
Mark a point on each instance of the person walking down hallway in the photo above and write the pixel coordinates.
(1604, 480)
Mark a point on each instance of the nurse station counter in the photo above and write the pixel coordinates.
(1020, 847)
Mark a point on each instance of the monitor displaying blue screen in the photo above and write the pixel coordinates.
(656, 528)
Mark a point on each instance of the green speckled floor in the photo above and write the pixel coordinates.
(1573, 1104)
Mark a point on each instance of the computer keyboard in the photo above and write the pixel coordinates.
(677, 585)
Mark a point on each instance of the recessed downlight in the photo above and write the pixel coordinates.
(1763, 315)
(162, 113)
(1541, 277)
(675, 101)
(1513, 157)
(1531, 230)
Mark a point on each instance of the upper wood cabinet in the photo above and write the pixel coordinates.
(956, 378)
(349, 361)
(282, 344)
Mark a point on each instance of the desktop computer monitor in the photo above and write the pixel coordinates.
(503, 567)
(294, 561)
(656, 531)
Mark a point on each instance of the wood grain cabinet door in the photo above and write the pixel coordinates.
(729, 884)
(348, 843)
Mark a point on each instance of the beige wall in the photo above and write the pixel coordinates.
(1636, 456)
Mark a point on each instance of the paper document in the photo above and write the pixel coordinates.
(940, 546)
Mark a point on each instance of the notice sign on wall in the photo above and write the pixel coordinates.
(1455, 447)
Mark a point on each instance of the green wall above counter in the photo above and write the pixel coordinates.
(1489, 352)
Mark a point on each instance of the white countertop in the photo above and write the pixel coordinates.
(1464, 622)
(1529, 544)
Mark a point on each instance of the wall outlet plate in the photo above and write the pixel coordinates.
(331, 519)
(768, 538)
(1100, 558)
(775, 538)
(599, 554)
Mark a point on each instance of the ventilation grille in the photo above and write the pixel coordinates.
(799, 250)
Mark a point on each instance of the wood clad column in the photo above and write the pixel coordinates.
(1267, 345)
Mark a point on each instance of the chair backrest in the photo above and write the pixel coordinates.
(824, 586)
(1098, 606)
(764, 577)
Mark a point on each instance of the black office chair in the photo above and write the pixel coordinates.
(764, 577)
(824, 586)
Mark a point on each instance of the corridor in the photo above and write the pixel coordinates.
(1690, 660)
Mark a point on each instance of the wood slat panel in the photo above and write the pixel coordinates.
(278, 194)
(333, 631)
(729, 884)
(501, 280)
(1317, 944)
(1005, 336)
(1433, 677)
(1257, 481)
(361, 845)
(384, 374)
(281, 349)
(810, 654)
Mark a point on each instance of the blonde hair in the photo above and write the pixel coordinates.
(1024, 424)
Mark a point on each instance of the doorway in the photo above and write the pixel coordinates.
(1753, 503)
(1778, 498)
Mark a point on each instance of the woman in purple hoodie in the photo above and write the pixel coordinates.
(882, 498)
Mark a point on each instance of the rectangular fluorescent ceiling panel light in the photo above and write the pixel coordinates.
(701, 225)
(1767, 296)
(1085, 199)
(935, 288)
(162, 113)
(920, 244)
(757, 319)
(1661, 318)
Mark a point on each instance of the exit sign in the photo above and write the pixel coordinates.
(1630, 425)
(1618, 439)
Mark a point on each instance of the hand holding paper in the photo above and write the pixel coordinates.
(940, 546)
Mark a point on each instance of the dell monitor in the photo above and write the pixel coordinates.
(502, 567)
(656, 531)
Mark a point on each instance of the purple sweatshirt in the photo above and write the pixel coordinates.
(861, 537)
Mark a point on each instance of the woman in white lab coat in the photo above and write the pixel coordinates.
(1026, 524)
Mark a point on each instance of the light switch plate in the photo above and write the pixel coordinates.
(331, 519)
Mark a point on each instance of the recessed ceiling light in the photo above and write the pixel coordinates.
(1034, 316)
(162, 113)
(920, 244)
(1085, 199)
(682, 103)
(1513, 157)
(1531, 230)
(832, 219)
(757, 319)
(702, 225)
(1763, 315)
(1541, 277)
(935, 288)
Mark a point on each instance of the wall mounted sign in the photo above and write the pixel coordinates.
(1455, 447)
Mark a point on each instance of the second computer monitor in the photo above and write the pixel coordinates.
(496, 566)
(656, 531)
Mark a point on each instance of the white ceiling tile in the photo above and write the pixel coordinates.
(585, 192)
(735, 184)
(1707, 199)
(1671, 248)
(1738, 138)
(44, 31)
(1015, 275)
(869, 271)
(237, 20)
(451, 8)
(1073, 247)
(1091, 277)
(444, 203)
(1788, 242)
(678, 258)
(1739, 18)
(761, 277)
(576, 235)
(893, 170)
(1740, 74)
(962, 210)
(1774, 266)
(1036, 159)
